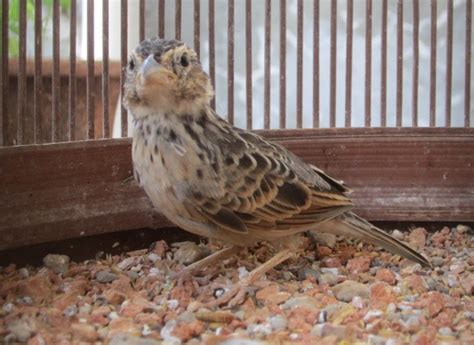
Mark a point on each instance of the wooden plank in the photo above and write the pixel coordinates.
(59, 191)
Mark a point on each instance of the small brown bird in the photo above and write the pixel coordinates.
(219, 181)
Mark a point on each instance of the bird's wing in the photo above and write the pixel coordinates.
(266, 187)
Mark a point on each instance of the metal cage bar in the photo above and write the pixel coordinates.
(348, 102)
(433, 63)
(299, 66)
(267, 64)
(399, 96)
(90, 89)
(105, 63)
(316, 72)
(72, 72)
(248, 62)
(90, 115)
(21, 109)
(38, 88)
(368, 63)
(416, 61)
(230, 62)
(383, 67)
(332, 84)
(56, 91)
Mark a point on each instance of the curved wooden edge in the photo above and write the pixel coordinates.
(68, 190)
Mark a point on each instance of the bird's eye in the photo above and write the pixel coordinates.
(131, 64)
(184, 60)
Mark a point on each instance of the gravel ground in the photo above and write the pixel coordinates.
(335, 292)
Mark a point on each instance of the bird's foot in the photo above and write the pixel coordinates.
(236, 295)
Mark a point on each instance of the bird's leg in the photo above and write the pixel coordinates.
(207, 261)
(236, 294)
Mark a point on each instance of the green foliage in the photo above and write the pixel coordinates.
(14, 19)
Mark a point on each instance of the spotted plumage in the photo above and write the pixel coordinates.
(216, 180)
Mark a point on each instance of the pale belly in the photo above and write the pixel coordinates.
(163, 173)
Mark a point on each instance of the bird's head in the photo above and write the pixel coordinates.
(165, 76)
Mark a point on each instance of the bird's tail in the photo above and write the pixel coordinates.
(351, 225)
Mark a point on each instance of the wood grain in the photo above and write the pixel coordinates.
(59, 191)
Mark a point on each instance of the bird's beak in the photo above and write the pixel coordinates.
(150, 66)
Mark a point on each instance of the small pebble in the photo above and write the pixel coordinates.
(358, 302)
(437, 261)
(334, 271)
(129, 339)
(327, 278)
(85, 309)
(461, 228)
(348, 289)
(190, 252)
(133, 275)
(24, 273)
(59, 264)
(243, 272)
(306, 273)
(324, 238)
(259, 330)
(398, 234)
(105, 276)
(376, 340)
(20, 330)
(125, 264)
(70, 311)
(278, 322)
(306, 301)
(445, 331)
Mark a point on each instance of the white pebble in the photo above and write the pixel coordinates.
(173, 304)
(357, 302)
(146, 330)
(243, 272)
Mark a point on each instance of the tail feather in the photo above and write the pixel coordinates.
(351, 225)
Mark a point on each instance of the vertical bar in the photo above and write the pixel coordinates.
(416, 61)
(197, 26)
(399, 62)
(38, 95)
(230, 63)
(56, 77)
(141, 21)
(383, 68)
(161, 22)
(282, 63)
(449, 62)
(332, 87)
(248, 61)
(348, 101)
(21, 107)
(105, 64)
(433, 65)
(467, 80)
(177, 20)
(316, 64)
(368, 62)
(212, 50)
(4, 116)
(266, 87)
(90, 105)
(72, 71)
(299, 66)
(124, 60)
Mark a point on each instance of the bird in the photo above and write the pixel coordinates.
(218, 181)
